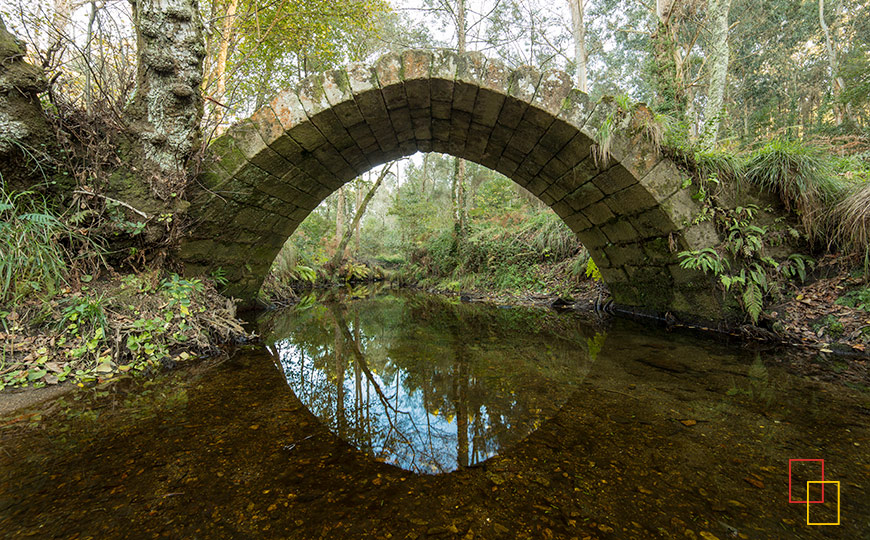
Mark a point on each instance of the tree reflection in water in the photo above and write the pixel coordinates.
(427, 384)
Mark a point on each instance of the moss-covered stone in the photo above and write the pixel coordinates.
(27, 145)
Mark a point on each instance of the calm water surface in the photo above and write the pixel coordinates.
(409, 416)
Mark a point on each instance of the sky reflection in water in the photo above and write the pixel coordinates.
(447, 390)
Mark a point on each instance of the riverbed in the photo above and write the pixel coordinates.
(401, 415)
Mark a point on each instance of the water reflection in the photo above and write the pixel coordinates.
(426, 384)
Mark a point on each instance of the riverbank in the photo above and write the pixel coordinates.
(100, 327)
(829, 313)
(153, 321)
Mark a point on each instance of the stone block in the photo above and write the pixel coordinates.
(681, 208)
(544, 198)
(579, 175)
(526, 136)
(614, 179)
(620, 231)
(288, 109)
(443, 73)
(592, 238)
(523, 83)
(228, 154)
(663, 180)
(635, 153)
(577, 222)
(554, 169)
(213, 176)
(604, 109)
(584, 196)
(700, 235)
(476, 143)
(495, 146)
(537, 186)
(562, 209)
(623, 293)
(271, 162)
(630, 201)
(338, 92)
(511, 113)
(652, 223)
(657, 251)
(576, 108)
(470, 70)
(388, 70)
(267, 124)
(507, 167)
(487, 106)
(598, 213)
(627, 254)
(554, 87)
(417, 66)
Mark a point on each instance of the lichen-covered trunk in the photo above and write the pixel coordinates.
(718, 56)
(167, 107)
(26, 141)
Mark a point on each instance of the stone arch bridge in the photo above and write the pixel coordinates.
(270, 171)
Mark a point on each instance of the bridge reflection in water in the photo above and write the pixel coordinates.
(430, 385)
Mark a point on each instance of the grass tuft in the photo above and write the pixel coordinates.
(853, 218)
(38, 250)
(802, 178)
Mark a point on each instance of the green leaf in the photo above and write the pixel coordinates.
(36, 374)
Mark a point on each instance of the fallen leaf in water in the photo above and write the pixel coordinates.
(688, 422)
(757, 483)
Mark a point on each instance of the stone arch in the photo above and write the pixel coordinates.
(268, 172)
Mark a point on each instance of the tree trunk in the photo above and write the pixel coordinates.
(60, 20)
(227, 29)
(341, 421)
(579, 31)
(663, 9)
(359, 198)
(718, 56)
(425, 174)
(667, 73)
(459, 163)
(335, 262)
(461, 207)
(89, 37)
(837, 83)
(339, 216)
(167, 106)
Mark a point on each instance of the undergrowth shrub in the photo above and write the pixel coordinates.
(38, 249)
(853, 217)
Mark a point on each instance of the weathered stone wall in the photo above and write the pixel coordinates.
(25, 138)
(271, 170)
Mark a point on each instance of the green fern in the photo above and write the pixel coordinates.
(753, 301)
(592, 271)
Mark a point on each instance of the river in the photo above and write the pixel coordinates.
(407, 415)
